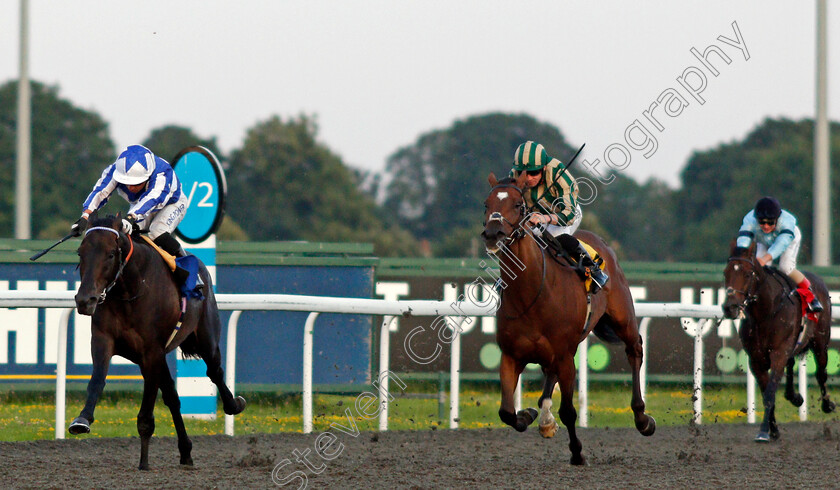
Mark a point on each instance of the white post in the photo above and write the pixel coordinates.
(308, 335)
(803, 387)
(750, 397)
(583, 386)
(455, 377)
(698, 373)
(61, 374)
(230, 364)
(384, 365)
(643, 333)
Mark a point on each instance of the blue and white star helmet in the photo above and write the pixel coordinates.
(134, 165)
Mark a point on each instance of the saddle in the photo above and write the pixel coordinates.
(561, 256)
(790, 289)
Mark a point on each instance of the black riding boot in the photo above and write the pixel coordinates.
(576, 250)
(169, 244)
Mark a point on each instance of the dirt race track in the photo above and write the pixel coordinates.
(724, 455)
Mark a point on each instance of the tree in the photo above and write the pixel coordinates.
(436, 186)
(70, 148)
(284, 185)
(167, 141)
(721, 185)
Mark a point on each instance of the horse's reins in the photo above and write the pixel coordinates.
(122, 262)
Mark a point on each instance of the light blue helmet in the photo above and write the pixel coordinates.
(134, 165)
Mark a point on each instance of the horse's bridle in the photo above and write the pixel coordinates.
(518, 232)
(749, 295)
(122, 262)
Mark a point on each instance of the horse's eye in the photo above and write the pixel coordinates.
(111, 255)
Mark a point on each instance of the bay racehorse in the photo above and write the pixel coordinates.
(544, 315)
(772, 330)
(128, 290)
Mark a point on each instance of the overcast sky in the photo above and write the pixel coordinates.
(378, 74)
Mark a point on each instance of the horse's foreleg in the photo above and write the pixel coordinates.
(821, 356)
(568, 414)
(790, 394)
(548, 426)
(509, 372)
(150, 369)
(170, 398)
(101, 349)
(769, 429)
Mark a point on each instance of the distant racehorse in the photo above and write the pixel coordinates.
(129, 291)
(772, 330)
(543, 315)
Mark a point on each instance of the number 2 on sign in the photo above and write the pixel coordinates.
(204, 203)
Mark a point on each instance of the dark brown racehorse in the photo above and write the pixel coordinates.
(771, 329)
(543, 313)
(129, 291)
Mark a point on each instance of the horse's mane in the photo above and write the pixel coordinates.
(740, 252)
(107, 221)
(507, 180)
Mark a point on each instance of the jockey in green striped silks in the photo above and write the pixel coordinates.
(552, 193)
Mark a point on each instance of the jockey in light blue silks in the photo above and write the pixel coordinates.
(150, 186)
(777, 238)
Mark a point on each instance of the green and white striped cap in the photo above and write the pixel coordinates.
(530, 156)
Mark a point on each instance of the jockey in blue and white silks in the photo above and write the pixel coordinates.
(152, 189)
(777, 238)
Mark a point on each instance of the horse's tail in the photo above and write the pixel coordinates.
(605, 331)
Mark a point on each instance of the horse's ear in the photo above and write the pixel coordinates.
(492, 179)
(520, 181)
(732, 246)
(751, 250)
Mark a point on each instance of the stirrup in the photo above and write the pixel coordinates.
(815, 306)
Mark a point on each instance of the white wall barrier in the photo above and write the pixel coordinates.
(390, 309)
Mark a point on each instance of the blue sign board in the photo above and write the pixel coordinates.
(203, 181)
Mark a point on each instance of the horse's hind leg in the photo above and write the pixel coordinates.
(170, 398)
(567, 412)
(509, 372)
(821, 356)
(207, 338)
(102, 349)
(548, 426)
(629, 334)
(790, 395)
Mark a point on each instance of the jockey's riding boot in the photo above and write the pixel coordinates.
(576, 250)
(804, 290)
(169, 244)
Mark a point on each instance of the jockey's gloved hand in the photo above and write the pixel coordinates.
(78, 226)
(128, 225)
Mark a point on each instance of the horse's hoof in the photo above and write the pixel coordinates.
(578, 460)
(762, 437)
(828, 406)
(187, 461)
(796, 400)
(80, 425)
(648, 429)
(774, 435)
(548, 431)
(239, 405)
(143, 467)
